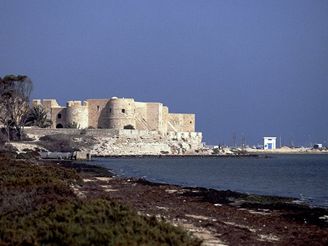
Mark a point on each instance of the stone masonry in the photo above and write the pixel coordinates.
(117, 113)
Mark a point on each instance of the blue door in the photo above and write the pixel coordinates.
(270, 146)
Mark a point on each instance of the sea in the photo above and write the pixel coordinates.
(303, 177)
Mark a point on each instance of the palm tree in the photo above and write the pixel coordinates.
(38, 117)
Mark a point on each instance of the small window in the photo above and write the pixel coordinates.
(59, 116)
(190, 122)
(110, 110)
(123, 111)
(98, 108)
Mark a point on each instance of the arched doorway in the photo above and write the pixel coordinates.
(59, 126)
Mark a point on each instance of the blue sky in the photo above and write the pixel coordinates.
(252, 68)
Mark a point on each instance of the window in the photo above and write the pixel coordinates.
(190, 122)
(59, 116)
(110, 110)
(98, 108)
(123, 111)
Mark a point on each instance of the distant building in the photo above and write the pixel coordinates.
(317, 146)
(269, 143)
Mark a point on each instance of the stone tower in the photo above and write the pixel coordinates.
(122, 113)
(77, 113)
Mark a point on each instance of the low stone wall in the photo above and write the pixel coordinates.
(117, 133)
(131, 142)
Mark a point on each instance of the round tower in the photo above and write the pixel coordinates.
(77, 113)
(122, 113)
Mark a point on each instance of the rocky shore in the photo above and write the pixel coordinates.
(217, 217)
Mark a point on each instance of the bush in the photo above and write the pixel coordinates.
(38, 207)
(73, 125)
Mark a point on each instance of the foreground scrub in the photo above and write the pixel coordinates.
(37, 206)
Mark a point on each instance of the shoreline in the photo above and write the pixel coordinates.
(248, 155)
(223, 217)
(176, 156)
(291, 200)
(213, 216)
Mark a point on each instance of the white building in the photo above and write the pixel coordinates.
(270, 143)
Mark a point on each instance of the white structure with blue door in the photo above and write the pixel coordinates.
(270, 143)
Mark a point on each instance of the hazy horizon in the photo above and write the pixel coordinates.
(253, 68)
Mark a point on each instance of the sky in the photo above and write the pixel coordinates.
(246, 68)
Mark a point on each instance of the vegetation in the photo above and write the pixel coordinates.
(14, 104)
(37, 206)
(38, 117)
(72, 125)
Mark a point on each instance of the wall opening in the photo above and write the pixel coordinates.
(130, 127)
(98, 108)
(59, 116)
(123, 111)
(59, 126)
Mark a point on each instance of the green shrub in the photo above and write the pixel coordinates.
(38, 207)
(94, 222)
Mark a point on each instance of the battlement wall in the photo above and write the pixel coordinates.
(181, 122)
(47, 103)
(98, 113)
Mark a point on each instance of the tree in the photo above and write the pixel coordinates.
(38, 117)
(72, 125)
(15, 93)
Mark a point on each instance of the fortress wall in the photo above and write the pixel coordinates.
(181, 122)
(165, 118)
(36, 102)
(58, 116)
(53, 111)
(71, 131)
(149, 116)
(121, 113)
(50, 103)
(129, 134)
(98, 113)
(116, 113)
(78, 113)
(189, 122)
(154, 116)
(141, 116)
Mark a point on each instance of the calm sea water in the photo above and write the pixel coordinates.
(301, 176)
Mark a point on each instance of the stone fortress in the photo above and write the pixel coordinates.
(146, 127)
(117, 113)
